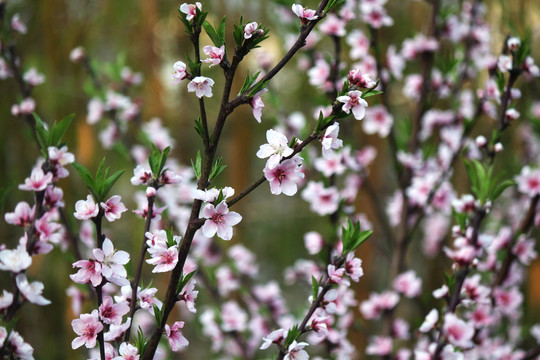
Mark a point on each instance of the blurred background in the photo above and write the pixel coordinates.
(149, 37)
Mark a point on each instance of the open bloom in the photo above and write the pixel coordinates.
(85, 210)
(189, 295)
(330, 140)
(190, 10)
(113, 208)
(90, 271)
(31, 291)
(127, 352)
(22, 216)
(220, 221)
(175, 337)
(283, 177)
(276, 148)
(458, 332)
(528, 181)
(87, 327)
(112, 263)
(354, 101)
(164, 259)
(202, 86)
(297, 352)
(15, 260)
(304, 14)
(275, 337)
(37, 181)
(111, 313)
(215, 54)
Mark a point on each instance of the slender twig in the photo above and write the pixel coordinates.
(524, 227)
(137, 279)
(203, 182)
(99, 289)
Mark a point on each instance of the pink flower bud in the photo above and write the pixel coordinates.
(150, 191)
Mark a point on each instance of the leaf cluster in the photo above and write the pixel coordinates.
(51, 136)
(100, 184)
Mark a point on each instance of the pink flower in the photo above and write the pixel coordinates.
(22, 216)
(111, 313)
(378, 121)
(408, 284)
(220, 221)
(276, 148)
(179, 73)
(87, 327)
(275, 337)
(77, 54)
(15, 260)
(85, 210)
(202, 86)
(375, 15)
(359, 44)
(335, 276)
(190, 10)
(31, 291)
(303, 13)
(458, 332)
(116, 331)
(250, 29)
(234, 318)
(380, 346)
(353, 101)
(524, 250)
(164, 259)
(175, 337)
(3, 335)
(90, 271)
(330, 140)
(17, 25)
(37, 181)
(429, 322)
(112, 262)
(216, 54)
(353, 267)
(360, 79)
(296, 351)
(189, 295)
(323, 201)
(33, 78)
(333, 26)
(20, 348)
(113, 208)
(141, 176)
(127, 352)
(257, 105)
(284, 177)
(528, 181)
(5, 300)
(313, 242)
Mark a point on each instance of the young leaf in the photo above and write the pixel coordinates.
(58, 130)
(314, 287)
(217, 168)
(197, 166)
(212, 34)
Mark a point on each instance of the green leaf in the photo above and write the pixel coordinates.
(352, 236)
(110, 181)
(258, 87)
(197, 166)
(140, 342)
(212, 34)
(183, 281)
(370, 93)
(292, 335)
(41, 132)
(498, 189)
(238, 33)
(217, 168)
(314, 287)
(129, 268)
(58, 130)
(248, 82)
(158, 314)
(221, 30)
